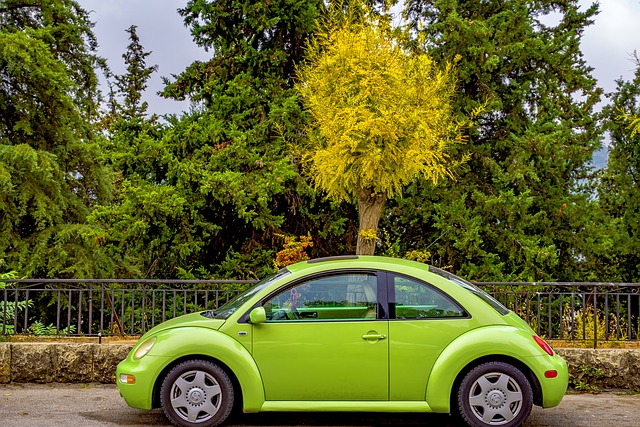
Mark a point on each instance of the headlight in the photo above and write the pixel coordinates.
(144, 348)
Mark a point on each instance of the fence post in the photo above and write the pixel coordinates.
(101, 327)
(26, 310)
(4, 313)
(90, 307)
(595, 317)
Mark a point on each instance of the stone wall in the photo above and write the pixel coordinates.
(60, 362)
(86, 363)
(604, 367)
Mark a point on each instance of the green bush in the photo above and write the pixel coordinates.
(587, 379)
(9, 309)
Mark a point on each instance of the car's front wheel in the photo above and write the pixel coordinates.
(197, 393)
(495, 394)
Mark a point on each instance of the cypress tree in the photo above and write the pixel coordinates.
(221, 183)
(50, 172)
(517, 210)
(234, 152)
(619, 192)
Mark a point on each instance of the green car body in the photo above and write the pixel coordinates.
(405, 337)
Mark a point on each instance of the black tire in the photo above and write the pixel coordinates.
(197, 393)
(494, 394)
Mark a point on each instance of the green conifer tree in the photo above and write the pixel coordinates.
(222, 182)
(619, 193)
(50, 173)
(133, 83)
(128, 229)
(232, 154)
(518, 209)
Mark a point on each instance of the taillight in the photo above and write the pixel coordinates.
(543, 345)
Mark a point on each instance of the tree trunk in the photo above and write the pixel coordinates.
(370, 206)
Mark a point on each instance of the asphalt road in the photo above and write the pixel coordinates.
(58, 405)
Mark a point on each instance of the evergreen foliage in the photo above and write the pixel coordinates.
(619, 195)
(234, 154)
(50, 175)
(209, 192)
(124, 230)
(133, 83)
(518, 211)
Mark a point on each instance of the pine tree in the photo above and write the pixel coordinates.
(236, 157)
(133, 137)
(518, 210)
(127, 228)
(227, 182)
(133, 83)
(50, 173)
(619, 192)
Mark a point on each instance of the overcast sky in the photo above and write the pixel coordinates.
(607, 45)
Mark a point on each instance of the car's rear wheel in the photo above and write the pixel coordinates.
(197, 393)
(495, 394)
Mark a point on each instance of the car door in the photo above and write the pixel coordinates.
(423, 321)
(325, 339)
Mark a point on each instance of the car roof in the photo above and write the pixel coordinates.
(356, 261)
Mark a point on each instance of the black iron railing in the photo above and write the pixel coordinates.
(567, 311)
(105, 307)
(584, 311)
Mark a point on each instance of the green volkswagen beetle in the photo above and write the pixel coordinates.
(353, 333)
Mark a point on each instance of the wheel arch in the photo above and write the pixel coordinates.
(157, 386)
(216, 347)
(533, 381)
(476, 347)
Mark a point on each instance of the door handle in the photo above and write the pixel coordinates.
(373, 336)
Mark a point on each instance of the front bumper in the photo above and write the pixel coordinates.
(139, 394)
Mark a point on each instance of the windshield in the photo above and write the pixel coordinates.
(230, 307)
(471, 288)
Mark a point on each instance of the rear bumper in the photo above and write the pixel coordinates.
(553, 389)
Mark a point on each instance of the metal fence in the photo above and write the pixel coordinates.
(105, 307)
(589, 312)
(574, 311)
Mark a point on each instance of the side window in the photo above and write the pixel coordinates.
(338, 297)
(418, 300)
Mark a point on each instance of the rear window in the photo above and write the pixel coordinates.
(471, 288)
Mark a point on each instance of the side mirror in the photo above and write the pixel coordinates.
(258, 315)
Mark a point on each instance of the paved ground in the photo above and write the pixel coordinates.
(100, 405)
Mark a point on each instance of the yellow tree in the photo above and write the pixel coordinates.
(633, 121)
(382, 115)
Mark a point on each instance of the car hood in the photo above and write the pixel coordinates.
(188, 320)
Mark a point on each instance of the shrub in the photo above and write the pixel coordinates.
(584, 324)
(9, 310)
